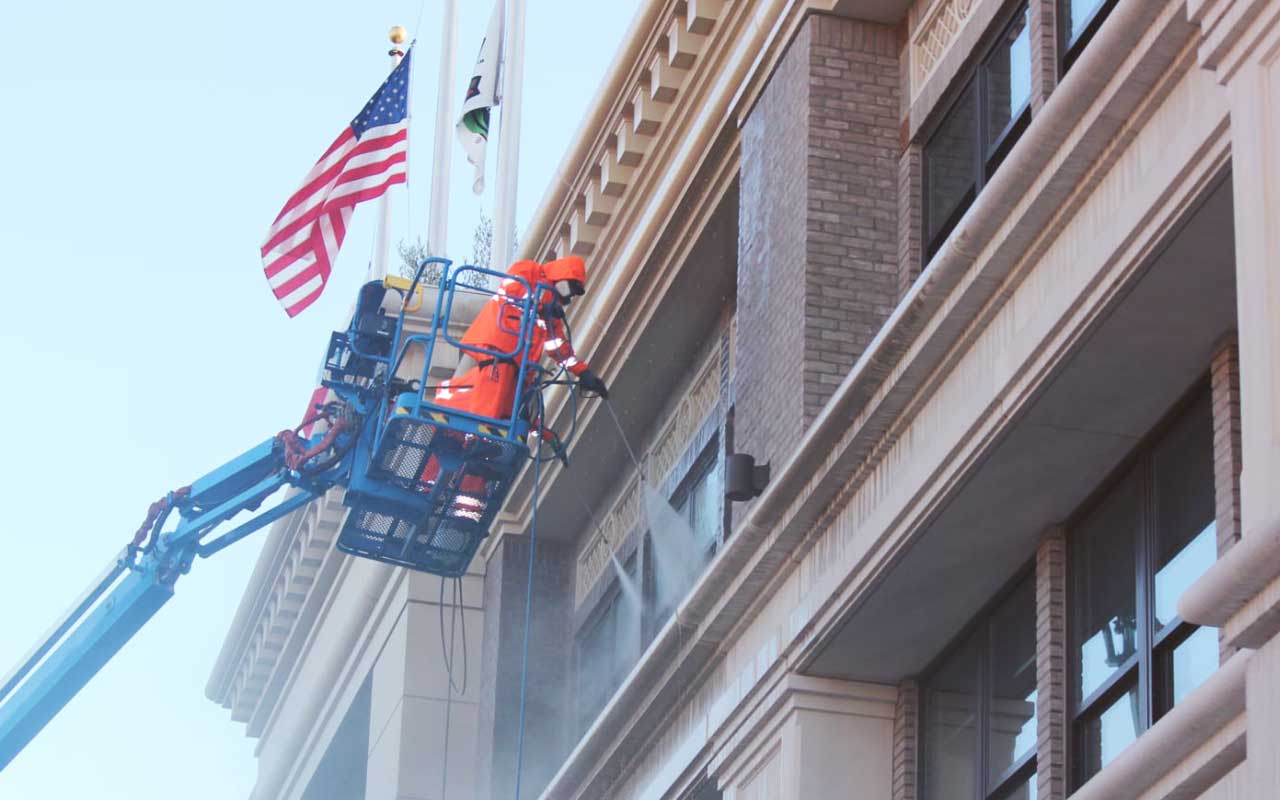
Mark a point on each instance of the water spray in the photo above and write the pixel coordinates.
(617, 423)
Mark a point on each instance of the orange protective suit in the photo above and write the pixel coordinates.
(489, 389)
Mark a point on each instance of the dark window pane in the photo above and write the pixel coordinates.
(1104, 601)
(704, 509)
(949, 162)
(1186, 535)
(1078, 13)
(1025, 791)
(1008, 73)
(596, 665)
(1194, 661)
(1104, 735)
(951, 727)
(1012, 655)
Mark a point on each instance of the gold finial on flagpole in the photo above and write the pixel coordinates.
(397, 35)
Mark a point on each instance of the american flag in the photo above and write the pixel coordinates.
(367, 158)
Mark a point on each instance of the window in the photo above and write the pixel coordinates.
(1078, 21)
(979, 707)
(690, 532)
(607, 649)
(989, 114)
(1132, 554)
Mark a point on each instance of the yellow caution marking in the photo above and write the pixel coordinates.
(439, 417)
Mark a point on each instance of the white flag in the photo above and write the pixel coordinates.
(473, 126)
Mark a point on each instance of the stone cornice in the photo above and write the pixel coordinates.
(628, 117)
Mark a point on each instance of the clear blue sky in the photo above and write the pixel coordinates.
(144, 149)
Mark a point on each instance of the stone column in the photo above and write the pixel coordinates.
(1240, 42)
(422, 734)
(548, 713)
(823, 738)
(1246, 64)
(818, 226)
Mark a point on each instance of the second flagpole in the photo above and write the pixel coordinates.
(504, 218)
(438, 221)
(382, 241)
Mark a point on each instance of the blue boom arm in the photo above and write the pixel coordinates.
(141, 579)
(423, 484)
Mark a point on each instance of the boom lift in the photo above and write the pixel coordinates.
(376, 439)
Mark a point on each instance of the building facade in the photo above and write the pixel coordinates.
(992, 287)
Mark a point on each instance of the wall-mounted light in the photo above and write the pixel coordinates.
(743, 479)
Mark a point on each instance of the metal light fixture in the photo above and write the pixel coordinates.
(743, 478)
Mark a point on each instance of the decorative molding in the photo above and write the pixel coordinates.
(935, 33)
(620, 520)
(685, 421)
(631, 128)
(310, 533)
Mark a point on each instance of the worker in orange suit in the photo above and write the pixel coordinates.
(485, 384)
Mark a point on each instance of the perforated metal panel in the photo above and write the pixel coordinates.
(453, 484)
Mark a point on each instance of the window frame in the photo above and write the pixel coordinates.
(986, 158)
(1149, 669)
(979, 626)
(1070, 49)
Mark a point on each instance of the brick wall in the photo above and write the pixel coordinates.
(906, 737)
(771, 261)
(1224, 371)
(910, 197)
(1225, 378)
(1044, 51)
(818, 226)
(1051, 666)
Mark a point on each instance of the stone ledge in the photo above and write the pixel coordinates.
(1241, 591)
(1212, 707)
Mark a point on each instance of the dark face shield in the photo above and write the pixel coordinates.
(569, 289)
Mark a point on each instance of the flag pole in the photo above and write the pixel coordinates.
(438, 219)
(382, 243)
(509, 135)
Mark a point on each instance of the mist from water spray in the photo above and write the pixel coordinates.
(627, 584)
(678, 556)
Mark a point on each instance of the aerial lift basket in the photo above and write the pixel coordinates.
(426, 480)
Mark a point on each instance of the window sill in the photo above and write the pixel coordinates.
(1172, 753)
(1232, 594)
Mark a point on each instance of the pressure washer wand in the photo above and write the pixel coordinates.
(623, 435)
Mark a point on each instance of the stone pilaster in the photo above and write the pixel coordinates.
(548, 715)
